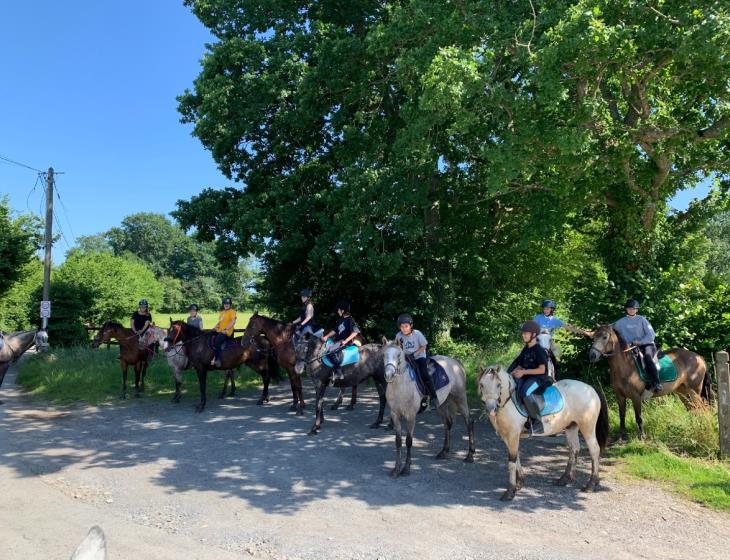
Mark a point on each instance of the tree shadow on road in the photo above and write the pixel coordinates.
(263, 455)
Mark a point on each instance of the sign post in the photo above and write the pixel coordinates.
(722, 374)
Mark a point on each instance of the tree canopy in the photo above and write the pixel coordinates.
(19, 238)
(462, 159)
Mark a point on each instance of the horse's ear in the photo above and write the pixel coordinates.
(385, 341)
(171, 321)
(255, 313)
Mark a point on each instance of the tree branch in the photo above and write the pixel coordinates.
(714, 130)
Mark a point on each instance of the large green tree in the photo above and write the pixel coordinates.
(19, 238)
(455, 157)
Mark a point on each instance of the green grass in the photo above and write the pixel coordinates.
(83, 375)
(703, 481)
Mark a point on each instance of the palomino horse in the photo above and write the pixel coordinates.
(584, 409)
(308, 351)
(404, 400)
(15, 344)
(258, 356)
(130, 353)
(692, 379)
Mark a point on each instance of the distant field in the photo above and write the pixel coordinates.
(210, 318)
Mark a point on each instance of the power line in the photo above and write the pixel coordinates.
(27, 200)
(65, 212)
(2, 157)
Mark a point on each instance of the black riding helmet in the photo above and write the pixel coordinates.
(549, 303)
(305, 292)
(530, 327)
(192, 307)
(405, 319)
(227, 300)
(631, 303)
(344, 305)
(143, 302)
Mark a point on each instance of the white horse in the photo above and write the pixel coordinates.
(584, 409)
(175, 354)
(404, 401)
(93, 547)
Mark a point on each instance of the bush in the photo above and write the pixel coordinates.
(19, 308)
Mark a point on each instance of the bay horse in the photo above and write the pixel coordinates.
(17, 343)
(308, 354)
(258, 356)
(692, 384)
(404, 401)
(584, 410)
(130, 354)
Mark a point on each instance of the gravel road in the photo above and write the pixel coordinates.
(243, 481)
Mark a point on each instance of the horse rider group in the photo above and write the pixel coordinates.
(531, 368)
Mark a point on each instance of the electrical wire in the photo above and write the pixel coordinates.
(65, 212)
(8, 160)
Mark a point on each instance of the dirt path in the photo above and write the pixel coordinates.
(241, 481)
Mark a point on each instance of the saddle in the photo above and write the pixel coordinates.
(664, 365)
(438, 375)
(228, 343)
(551, 400)
(346, 356)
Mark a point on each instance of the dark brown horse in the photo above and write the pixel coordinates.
(130, 353)
(692, 383)
(199, 351)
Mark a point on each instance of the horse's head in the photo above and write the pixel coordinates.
(255, 325)
(394, 359)
(490, 384)
(304, 346)
(155, 334)
(173, 335)
(103, 336)
(605, 343)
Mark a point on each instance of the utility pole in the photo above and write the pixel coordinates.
(46, 303)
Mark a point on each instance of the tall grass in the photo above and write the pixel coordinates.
(73, 375)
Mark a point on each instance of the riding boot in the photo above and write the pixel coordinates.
(428, 382)
(533, 407)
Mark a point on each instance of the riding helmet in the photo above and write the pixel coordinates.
(530, 327)
(227, 300)
(143, 302)
(192, 307)
(631, 303)
(549, 303)
(344, 305)
(405, 319)
(305, 292)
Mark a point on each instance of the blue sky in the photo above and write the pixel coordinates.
(89, 87)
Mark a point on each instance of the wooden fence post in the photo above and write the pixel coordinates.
(722, 374)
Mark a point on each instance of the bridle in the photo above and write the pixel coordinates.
(500, 404)
(613, 352)
(398, 369)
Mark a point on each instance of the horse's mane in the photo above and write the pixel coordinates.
(624, 345)
(192, 328)
(273, 323)
(113, 324)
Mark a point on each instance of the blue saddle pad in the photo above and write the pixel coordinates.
(350, 355)
(553, 402)
(437, 373)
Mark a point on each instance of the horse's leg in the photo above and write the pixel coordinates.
(178, 385)
(300, 396)
(381, 410)
(395, 419)
(233, 383)
(513, 448)
(637, 414)
(621, 415)
(589, 435)
(353, 400)
(469, 421)
(410, 425)
(144, 374)
(137, 375)
(448, 420)
(203, 383)
(319, 405)
(338, 401)
(225, 384)
(571, 436)
(125, 367)
(265, 393)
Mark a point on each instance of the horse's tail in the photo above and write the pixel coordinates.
(706, 391)
(272, 364)
(602, 424)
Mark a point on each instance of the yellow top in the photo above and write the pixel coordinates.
(225, 318)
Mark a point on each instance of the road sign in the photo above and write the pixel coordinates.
(45, 309)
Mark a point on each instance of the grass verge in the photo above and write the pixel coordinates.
(83, 375)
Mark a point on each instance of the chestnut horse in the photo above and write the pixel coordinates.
(692, 381)
(130, 353)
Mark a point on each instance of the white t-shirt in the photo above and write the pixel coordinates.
(412, 343)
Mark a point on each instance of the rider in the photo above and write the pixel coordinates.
(141, 321)
(224, 329)
(305, 321)
(530, 371)
(345, 331)
(636, 330)
(414, 345)
(194, 320)
(549, 322)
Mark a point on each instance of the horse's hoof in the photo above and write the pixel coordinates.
(590, 487)
(312, 432)
(405, 471)
(350, 407)
(508, 495)
(469, 458)
(199, 408)
(442, 455)
(374, 425)
(175, 399)
(260, 402)
(300, 412)
(293, 408)
(222, 396)
(334, 407)
(123, 396)
(232, 394)
(395, 473)
(563, 481)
